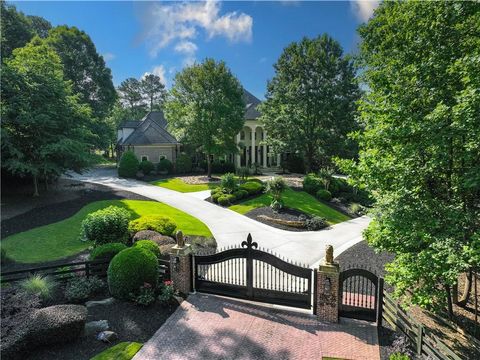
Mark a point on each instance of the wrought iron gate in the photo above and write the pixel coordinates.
(252, 274)
(360, 294)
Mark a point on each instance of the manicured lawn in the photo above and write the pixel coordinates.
(181, 186)
(61, 239)
(299, 200)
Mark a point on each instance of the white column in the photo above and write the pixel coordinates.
(237, 156)
(264, 148)
(252, 139)
(278, 160)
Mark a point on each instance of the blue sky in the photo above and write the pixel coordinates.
(162, 37)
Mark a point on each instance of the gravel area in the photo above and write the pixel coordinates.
(285, 214)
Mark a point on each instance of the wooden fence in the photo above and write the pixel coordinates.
(424, 342)
(67, 270)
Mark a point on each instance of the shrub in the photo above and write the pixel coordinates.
(239, 194)
(311, 184)
(243, 172)
(295, 164)
(42, 286)
(106, 225)
(228, 183)
(150, 246)
(167, 292)
(183, 164)
(356, 209)
(275, 187)
(129, 270)
(146, 167)
(398, 356)
(106, 251)
(165, 166)
(326, 176)
(128, 165)
(145, 295)
(252, 187)
(316, 223)
(161, 224)
(224, 200)
(276, 205)
(216, 196)
(338, 185)
(324, 195)
(121, 351)
(81, 288)
(219, 167)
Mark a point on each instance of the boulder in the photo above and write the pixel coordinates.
(94, 327)
(107, 301)
(158, 238)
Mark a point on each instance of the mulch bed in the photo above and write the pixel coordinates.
(129, 321)
(285, 214)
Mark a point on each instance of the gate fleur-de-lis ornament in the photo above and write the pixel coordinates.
(249, 243)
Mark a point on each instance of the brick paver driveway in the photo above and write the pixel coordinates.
(209, 327)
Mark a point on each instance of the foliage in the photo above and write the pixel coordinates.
(312, 183)
(419, 152)
(107, 251)
(222, 167)
(240, 194)
(226, 199)
(153, 90)
(275, 187)
(183, 164)
(165, 166)
(167, 292)
(161, 224)
(146, 167)
(398, 356)
(145, 296)
(129, 270)
(325, 174)
(243, 173)
(150, 246)
(106, 226)
(294, 164)
(255, 168)
(316, 223)
(130, 93)
(39, 108)
(206, 107)
(324, 195)
(401, 347)
(128, 165)
(80, 288)
(310, 102)
(121, 351)
(228, 183)
(356, 209)
(42, 286)
(252, 187)
(276, 204)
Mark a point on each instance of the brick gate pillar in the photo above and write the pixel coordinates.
(328, 277)
(181, 265)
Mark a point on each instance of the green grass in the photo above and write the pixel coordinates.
(181, 186)
(61, 239)
(121, 351)
(299, 200)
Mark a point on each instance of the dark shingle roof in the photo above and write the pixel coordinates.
(151, 130)
(251, 103)
(132, 124)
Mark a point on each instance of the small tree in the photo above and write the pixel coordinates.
(275, 187)
(326, 175)
(129, 165)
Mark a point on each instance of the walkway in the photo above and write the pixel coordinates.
(213, 328)
(230, 228)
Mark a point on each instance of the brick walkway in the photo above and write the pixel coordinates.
(209, 327)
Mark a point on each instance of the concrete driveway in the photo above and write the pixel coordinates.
(230, 228)
(206, 327)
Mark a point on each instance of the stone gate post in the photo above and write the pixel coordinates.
(328, 277)
(181, 265)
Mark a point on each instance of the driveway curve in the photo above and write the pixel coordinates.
(230, 228)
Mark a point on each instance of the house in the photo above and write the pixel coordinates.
(148, 138)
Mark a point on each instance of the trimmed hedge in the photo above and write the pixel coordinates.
(146, 166)
(106, 225)
(150, 246)
(312, 183)
(161, 224)
(128, 165)
(165, 165)
(129, 270)
(324, 195)
(106, 251)
(252, 187)
(226, 199)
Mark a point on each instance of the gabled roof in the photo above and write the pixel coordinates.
(150, 130)
(251, 103)
(131, 124)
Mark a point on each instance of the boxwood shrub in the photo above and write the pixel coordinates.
(106, 251)
(161, 224)
(146, 167)
(106, 226)
(165, 165)
(129, 270)
(312, 183)
(128, 165)
(252, 187)
(324, 195)
(150, 246)
(226, 199)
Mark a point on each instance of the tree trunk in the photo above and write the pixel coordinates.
(151, 103)
(35, 185)
(209, 166)
(449, 301)
(466, 289)
(455, 293)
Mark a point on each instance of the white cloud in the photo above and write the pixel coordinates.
(363, 9)
(188, 49)
(108, 56)
(182, 22)
(160, 72)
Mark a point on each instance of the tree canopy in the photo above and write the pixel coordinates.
(420, 148)
(310, 102)
(153, 91)
(205, 107)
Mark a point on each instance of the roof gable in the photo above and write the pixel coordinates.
(251, 103)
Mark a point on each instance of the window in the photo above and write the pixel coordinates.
(242, 135)
(144, 158)
(162, 157)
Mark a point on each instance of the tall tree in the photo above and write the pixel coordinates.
(130, 92)
(310, 102)
(153, 90)
(44, 130)
(40, 26)
(16, 29)
(420, 148)
(206, 107)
